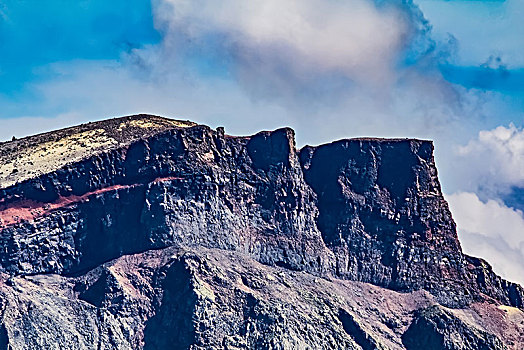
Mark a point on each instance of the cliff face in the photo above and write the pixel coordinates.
(382, 213)
(147, 231)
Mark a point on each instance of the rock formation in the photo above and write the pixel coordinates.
(146, 232)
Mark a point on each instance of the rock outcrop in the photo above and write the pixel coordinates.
(145, 232)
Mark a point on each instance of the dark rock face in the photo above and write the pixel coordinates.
(365, 210)
(382, 212)
(352, 328)
(181, 187)
(434, 329)
(172, 326)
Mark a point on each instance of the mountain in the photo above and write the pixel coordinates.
(146, 232)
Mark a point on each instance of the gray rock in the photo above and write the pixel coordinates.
(434, 328)
(155, 233)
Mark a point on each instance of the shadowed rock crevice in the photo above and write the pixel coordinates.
(396, 171)
(172, 325)
(111, 227)
(354, 330)
(4, 338)
(268, 149)
(435, 329)
(95, 294)
(515, 296)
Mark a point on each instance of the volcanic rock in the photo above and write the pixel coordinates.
(147, 232)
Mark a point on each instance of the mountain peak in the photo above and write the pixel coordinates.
(22, 159)
(148, 221)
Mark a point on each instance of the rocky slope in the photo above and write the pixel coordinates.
(145, 232)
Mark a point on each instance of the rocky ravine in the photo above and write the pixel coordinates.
(145, 232)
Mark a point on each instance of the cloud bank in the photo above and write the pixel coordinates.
(352, 38)
(492, 231)
(496, 158)
(330, 69)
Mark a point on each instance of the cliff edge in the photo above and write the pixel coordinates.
(142, 231)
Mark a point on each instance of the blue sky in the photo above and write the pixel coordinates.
(35, 34)
(482, 42)
(447, 70)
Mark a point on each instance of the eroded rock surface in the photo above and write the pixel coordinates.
(149, 231)
(434, 328)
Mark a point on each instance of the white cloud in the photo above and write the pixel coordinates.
(329, 69)
(492, 163)
(89, 91)
(353, 37)
(492, 231)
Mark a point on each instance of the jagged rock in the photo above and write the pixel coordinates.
(434, 328)
(215, 299)
(142, 231)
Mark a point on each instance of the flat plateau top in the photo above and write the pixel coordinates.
(33, 156)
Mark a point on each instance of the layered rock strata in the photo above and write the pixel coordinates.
(141, 190)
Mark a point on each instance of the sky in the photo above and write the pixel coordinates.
(447, 70)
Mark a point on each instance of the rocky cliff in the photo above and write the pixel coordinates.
(146, 232)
